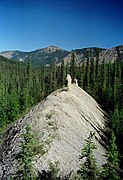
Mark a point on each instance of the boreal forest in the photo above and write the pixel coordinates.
(22, 86)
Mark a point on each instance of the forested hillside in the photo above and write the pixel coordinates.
(37, 57)
(46, 56)
(22, 86)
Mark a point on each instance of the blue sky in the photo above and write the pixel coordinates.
(30, 24)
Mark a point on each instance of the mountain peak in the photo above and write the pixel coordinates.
(51, 49)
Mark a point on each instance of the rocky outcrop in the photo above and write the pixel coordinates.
(112, 54)
(51, 49)
(61, 122)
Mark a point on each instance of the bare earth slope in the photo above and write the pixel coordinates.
(62, 122)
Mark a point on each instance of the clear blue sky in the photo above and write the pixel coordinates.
(30, 24)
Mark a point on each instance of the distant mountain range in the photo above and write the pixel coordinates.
(46, 56)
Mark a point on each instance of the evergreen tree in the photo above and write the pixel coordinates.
(114, 82)
(29, 83)
(53, 81)
(92, 76)
(109, 170)
(81, 75)
(26, 156)
(73, 66)
(87, 74)
(3, 112)
(97, 71)
(24, 99)
(63, 75)
(88, 169)
(13, 105)
(103, 86)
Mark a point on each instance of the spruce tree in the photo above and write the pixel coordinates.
(109, 169)
(13, 105)
(53, 81)
(103, 74)
(88, 169)
(26, 156)
(3, 111)
(62, 78)
(115, 80)
(92, 75)
(97, 72)
(87, 74)
(73, 66)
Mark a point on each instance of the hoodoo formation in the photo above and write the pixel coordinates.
(61, 122)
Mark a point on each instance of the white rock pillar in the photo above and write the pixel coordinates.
(69, 81)
(76, 82)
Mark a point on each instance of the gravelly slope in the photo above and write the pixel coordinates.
(62, 122)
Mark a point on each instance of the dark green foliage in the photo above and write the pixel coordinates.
(62, 74)
(21, 86)
(13, 106)
(88, 169)
(73, 66)
(53, 80)
(26, 156)
(87, 74)
(116, 121)
(3, 111)
(109, 169)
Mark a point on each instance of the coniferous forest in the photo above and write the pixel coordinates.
(22, 86)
